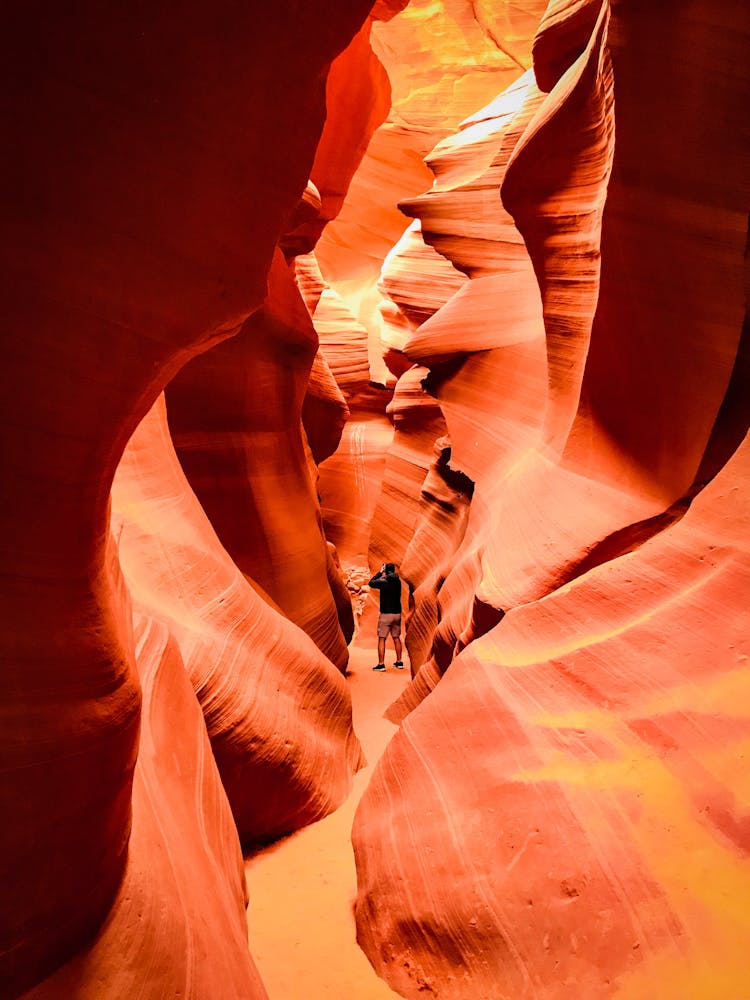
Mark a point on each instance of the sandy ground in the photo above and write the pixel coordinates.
(300, 919)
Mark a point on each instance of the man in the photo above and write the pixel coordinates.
(388, 582)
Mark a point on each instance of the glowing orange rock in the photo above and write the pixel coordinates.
(431, 52)
(349, 480)
(358, 98)
(489, 376)
(416, 281)
(539, 364)
(565, 810)
(278, 714)
(343, 343)
(562, 808)
(350, 483)
(324, 410)
(418, 422)
(177, 923)
(148, 240)
(235, 416)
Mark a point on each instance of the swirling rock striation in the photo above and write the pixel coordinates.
(134, 234)
(278, 714)
(562, 808)
(235, 415)
(177, 923)
(564, 811)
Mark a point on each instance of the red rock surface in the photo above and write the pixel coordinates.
(417, 281)
(358, 99)
(562, 812)
(431, 53)
(350, 483)
(559, 340)
(235, 416)
(141, 205)
(324, 410)
(177, 923)
(573, 789)
(466, 227)
(278, 713)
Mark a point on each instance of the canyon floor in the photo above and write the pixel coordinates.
(302, 889)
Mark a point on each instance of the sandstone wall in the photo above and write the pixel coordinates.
(142, 202)
(277, 713)
(561, 810)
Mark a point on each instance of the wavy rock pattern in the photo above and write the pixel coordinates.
(431, 53)
(177, 924)
(563, 813)
(536, 354)
(235, 416)
(457, 316)
(324, 410)
(489, 377)
(417, 282)
(343, 343)
(465, 225)
(358, 98)
(600, 844)
(350, 483)
(443, 512)
(278, 714)
(134, 235)
(417, 423)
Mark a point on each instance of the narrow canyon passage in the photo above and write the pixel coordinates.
(302, 890)
(292, 291)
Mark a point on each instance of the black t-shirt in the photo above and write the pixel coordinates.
(389, 585)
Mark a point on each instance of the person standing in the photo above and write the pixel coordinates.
(388, 582)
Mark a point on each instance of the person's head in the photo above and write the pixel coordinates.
(390, 567)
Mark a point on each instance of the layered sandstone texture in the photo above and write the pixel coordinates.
(150, 179)
(235, 413)
(277, 712)
(444, 58)
(419, 276)
(176, 924)
(565, 812)
(563, 809)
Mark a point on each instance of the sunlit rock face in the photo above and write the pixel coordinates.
(460, 232)
(358, 99)
(432, 52)
(557, 339)
(235, 411)
(142, 204)
(573, 789)
(562, 809)
(417, 281)
(278, 714)
(443, 62)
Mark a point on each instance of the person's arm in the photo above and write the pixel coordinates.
(379, 579)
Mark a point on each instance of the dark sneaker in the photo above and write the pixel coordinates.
(379, 666)
(399, 664)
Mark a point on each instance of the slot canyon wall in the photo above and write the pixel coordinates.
(564, 807)
(468, 292)
(149, 185)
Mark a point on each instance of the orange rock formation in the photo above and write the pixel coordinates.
(278, 714)
(235, 414)
(149, 181)
(562, 809)
(542, 359)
